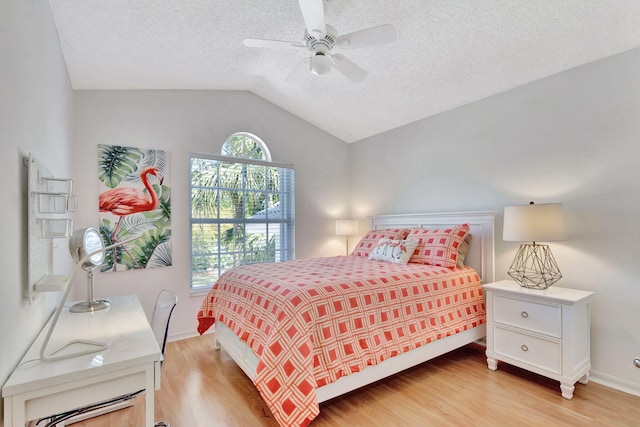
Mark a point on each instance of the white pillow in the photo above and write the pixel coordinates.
(395, 251)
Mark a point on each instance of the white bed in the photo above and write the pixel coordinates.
(480, 257)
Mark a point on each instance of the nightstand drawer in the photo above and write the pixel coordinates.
(530, 315)
(533, 351)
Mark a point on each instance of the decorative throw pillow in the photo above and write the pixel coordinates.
(438, 247)
(463, 250)
(371, 239)
(395, 251)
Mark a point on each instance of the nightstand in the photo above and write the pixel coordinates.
(542, 331)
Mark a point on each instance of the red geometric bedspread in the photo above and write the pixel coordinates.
(313, 321)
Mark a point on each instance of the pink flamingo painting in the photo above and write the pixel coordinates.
(125, 201)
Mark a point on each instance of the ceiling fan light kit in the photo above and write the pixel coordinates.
(321, 64)
(320, 39)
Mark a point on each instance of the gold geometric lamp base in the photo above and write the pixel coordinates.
(534, 267)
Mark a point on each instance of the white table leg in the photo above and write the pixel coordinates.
(149, 398)
(8, 411)
(15, 412)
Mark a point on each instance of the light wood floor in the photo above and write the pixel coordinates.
(202, 387)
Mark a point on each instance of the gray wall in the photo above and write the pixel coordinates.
(199, 121)
(570, 138)
(35, 116)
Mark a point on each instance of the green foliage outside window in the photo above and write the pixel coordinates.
(241, 211)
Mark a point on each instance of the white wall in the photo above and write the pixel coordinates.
(570, 138)
(199, 121)
(35, 116)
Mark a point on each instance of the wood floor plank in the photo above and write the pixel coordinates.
(202, 387)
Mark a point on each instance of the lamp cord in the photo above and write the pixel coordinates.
(101, 346)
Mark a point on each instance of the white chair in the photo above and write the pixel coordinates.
(165, 303)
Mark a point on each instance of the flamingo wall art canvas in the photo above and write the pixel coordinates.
(134, 203)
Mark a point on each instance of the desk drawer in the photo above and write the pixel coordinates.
(545, 354)
(529, 315)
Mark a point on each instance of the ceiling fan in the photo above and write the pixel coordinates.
(320, 39)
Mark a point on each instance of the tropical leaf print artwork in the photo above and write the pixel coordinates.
(135, 206)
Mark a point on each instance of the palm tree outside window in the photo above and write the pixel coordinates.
(242, 209)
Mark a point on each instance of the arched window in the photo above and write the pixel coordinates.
(242, 209)
(247, 146)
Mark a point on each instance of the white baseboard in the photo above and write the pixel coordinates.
(615, 383)
(186, 334)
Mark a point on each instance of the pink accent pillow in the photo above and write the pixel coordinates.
(438, 247)
(371, 239)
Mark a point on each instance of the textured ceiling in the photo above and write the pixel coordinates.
(447, 54)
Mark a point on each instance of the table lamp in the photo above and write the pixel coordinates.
(346, 227)
(534, 266)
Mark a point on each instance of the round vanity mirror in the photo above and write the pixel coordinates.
(82, 243)
(86, 241)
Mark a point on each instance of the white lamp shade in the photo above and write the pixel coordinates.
(534, 223)
(346, 227)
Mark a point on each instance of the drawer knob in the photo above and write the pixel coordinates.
(524, 314)
(524, 348)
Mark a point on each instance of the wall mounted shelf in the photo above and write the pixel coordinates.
(55, 203)
(53, 283)
(50, 204)
(52, 228)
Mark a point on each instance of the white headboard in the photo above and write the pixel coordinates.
(481, 254)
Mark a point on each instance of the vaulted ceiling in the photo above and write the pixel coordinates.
(447, 53)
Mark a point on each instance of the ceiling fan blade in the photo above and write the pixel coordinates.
(313, 15)
(303, 68)
(348, 68)
(369, 37)
(276, 44)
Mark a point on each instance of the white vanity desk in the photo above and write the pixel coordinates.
(39, 389)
